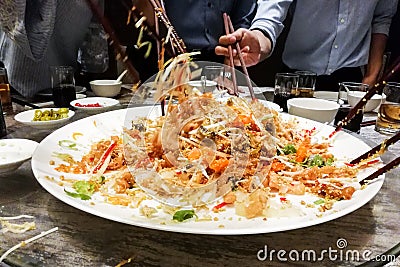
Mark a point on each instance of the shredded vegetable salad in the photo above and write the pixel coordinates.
(272, 158)
(206, 153)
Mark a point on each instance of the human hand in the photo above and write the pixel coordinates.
(254, 46)
(370, 80)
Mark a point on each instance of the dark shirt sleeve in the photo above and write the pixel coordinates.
(242, 13)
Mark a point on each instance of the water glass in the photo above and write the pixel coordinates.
(286, 85)
(388, 121)
(213, 74)
(346, 101)
(306, 86)
(63, 85)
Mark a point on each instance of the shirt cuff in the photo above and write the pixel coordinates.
(266, 34)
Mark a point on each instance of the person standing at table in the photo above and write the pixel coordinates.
(35, 35)
(333, 38)
(200, 24)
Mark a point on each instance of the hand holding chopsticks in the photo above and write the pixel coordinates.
(229, 29)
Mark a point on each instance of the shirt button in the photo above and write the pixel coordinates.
(335, 46)
(330, 70)
(342, 20)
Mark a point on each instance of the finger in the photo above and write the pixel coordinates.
(245, 49)
(227, 39)
(221, 51)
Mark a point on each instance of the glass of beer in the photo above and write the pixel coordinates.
(388, 121)
(306, 84)
(285, 88)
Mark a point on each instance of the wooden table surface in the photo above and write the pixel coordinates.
(86, 240)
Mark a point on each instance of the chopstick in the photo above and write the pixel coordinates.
(367, 123)
(381, 147)
(242, 63)
(23, 102)
(393, 164)
(230, 50)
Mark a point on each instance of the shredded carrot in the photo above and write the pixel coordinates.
(194, 154)
(219, 165)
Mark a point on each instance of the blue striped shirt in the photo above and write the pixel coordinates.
(326, 35)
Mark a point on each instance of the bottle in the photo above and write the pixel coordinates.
(5, 96)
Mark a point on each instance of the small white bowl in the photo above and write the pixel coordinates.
(89, 104)
(327, 95)
(314, 109)
(26, 117)
(14, 152)
(106, 88)
(353, 97)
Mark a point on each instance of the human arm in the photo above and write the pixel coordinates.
(383, 14)
(377, 49)
(258, 42)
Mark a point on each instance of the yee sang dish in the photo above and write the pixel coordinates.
(237, 152)
(212, 156)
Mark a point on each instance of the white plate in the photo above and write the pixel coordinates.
(104, 125)
(105, 103)
(14, 152)
(26, 117)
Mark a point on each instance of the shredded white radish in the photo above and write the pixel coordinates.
(17, 228)
(16, 217)
(23, 243)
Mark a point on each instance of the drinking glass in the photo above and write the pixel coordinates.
(306, 86)
(285, 88)
(215, 75)
(388, 121)
(63, 85)
(348, 91)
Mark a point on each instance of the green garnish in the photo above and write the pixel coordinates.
(182, 215)
(316, 160)
(289, 149)
(63, 156)
(67, 144)
(329, 162)
(84, 187)
(77, 195)
(319, 201)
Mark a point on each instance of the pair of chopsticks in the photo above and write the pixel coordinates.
(367, 123)
(379, 149)
(229, 29)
